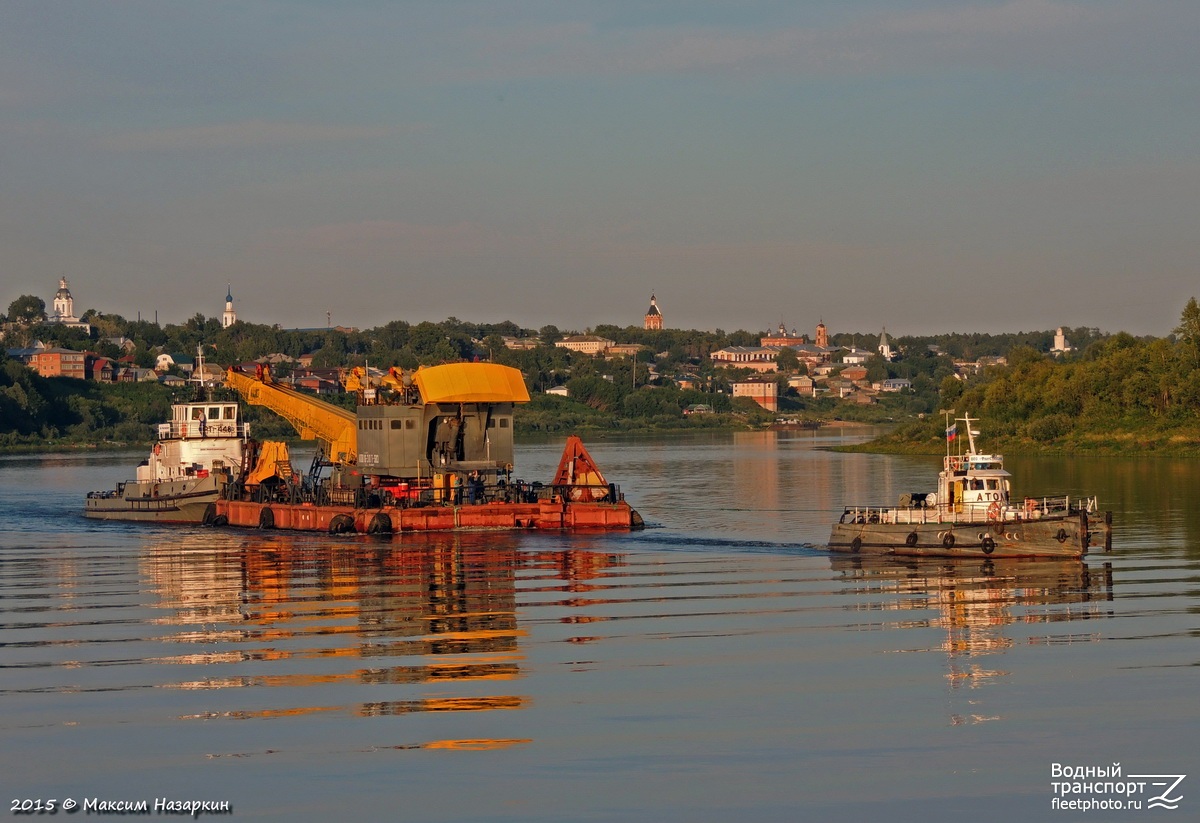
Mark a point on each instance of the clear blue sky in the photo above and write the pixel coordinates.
(924, 165)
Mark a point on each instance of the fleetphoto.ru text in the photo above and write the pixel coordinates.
(1105, 788)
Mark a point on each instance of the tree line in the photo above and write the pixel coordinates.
(1145, 385)
(1118, 393)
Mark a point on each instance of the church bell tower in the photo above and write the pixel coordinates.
(229, 317)
(654, 318)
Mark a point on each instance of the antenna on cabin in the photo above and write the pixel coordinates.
(200, 363)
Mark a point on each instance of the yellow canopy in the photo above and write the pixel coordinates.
(471, 383)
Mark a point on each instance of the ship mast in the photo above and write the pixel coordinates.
(952, 430)
(200, 364)
(966, 419)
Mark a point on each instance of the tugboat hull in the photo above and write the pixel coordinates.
(168, 501)
(1061, 537)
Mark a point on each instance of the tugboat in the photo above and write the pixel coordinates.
(973, 514)
(196, 455)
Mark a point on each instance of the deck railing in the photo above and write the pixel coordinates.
(1031, 508)
(190, 429)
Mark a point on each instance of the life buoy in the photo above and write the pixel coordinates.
(911, 540)
(948, 540)
(988, 545)
(157, 449)
(994, 510)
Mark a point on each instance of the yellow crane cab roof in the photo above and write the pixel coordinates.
(471, 383)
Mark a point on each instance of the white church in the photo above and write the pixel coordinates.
(229, 316)
(64, 308)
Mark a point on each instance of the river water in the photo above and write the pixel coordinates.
(718, 666)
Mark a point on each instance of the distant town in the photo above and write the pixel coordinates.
(780, 370)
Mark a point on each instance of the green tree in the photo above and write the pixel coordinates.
(877, 369)
(1188, 331)
(596, 392)
(787, 360)
(497, 352)
(27, 309)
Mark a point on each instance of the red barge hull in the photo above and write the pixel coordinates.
(545, 515)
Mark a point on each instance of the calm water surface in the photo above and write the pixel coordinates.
(716, 667)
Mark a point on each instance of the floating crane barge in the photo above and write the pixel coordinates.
(426, 451)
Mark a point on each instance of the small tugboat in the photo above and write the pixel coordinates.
(972, 514)
(430, 450)
(196, 454)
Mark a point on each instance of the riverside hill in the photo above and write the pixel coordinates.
(1114, 393)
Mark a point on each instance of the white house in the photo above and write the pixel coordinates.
(585, 343)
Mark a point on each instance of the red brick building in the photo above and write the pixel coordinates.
(763, 392)
(57, 362)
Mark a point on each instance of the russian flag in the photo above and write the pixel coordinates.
(952, 432)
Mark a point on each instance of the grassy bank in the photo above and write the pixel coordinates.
(928, 437)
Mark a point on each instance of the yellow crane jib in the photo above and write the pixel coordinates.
(312, 419)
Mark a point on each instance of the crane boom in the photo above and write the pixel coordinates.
(313, 419)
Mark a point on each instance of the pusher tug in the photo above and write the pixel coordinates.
(196, 454)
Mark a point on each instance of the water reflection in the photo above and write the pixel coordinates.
(715, 667)
(974, 606)
(422, 623)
